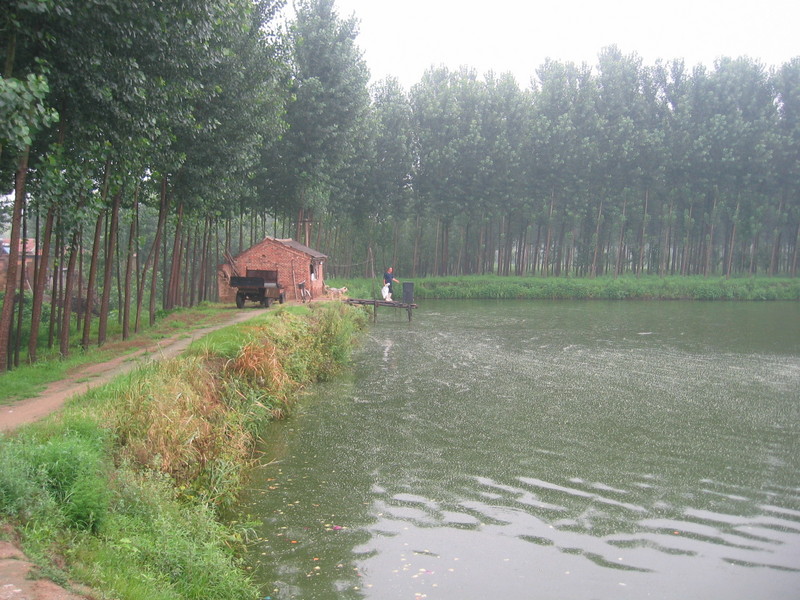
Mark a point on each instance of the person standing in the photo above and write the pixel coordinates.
(388, 279)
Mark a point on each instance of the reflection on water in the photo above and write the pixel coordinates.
(544, 450)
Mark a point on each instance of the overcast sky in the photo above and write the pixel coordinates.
(405, 37)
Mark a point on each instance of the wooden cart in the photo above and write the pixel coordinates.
(258, 286)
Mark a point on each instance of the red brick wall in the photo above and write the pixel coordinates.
(3, 269)
(292, 265)
(30, 263)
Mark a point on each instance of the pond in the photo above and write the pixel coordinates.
(528, 449)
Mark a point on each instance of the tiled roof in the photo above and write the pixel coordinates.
(30, 246)
(301, 248)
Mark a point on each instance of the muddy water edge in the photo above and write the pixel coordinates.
(537, 449)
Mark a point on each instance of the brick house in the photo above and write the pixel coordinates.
(293, 261)
(31, 258)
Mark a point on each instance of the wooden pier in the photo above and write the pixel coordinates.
(376, 303)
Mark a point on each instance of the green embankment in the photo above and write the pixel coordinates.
(488, 287)
(123, 486)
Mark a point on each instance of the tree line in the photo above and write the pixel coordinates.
(613, 169)
(144, 143)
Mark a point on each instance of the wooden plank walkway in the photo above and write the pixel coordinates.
(376, 303)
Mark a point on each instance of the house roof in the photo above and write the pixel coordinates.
(300, 247)
(29, 244)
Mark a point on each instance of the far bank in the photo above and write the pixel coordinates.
(494, 287)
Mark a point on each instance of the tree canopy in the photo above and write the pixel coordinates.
(144, 143)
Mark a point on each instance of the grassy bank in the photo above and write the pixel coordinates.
(482, 287)
(121, 489)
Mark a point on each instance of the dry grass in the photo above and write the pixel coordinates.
(174, 419)
(260, 362)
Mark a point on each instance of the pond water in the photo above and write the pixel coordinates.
(527, 450)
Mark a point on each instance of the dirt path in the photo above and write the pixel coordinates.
(54, 396)
(18, 580)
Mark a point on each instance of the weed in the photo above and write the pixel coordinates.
(125, 482)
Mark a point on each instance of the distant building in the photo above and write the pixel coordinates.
(31, 257)
(293, 261)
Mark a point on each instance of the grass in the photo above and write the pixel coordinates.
(122, 487)
(481, 287)
(28, 380)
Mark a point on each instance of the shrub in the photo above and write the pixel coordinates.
(61, 469)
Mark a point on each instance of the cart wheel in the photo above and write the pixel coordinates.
(266, 302)
(281, 298)
(239, 300)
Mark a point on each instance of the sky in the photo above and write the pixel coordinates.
(403, 38)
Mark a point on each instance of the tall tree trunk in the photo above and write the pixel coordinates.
(445, 248)
(642, 233)
(618, 266)
(308, 216)
(109, 268)
(162, 217)
(140, 290)
(129, 266)
(731, 246)
(79, 314)
(417, 235)
(436, 253)
(190, 264)
(535, 259)
(753, 254)
(548, 236)
(7, 313)
(175, 270)
(773, 261)
(687, 245)
(593, 269)
(560, 250)
(39, 285)
(666, 241)
(710, 239)
(201, 283)
(23, 276)
(508, 244)
(90, 285)
(54, 299)
(66, 316)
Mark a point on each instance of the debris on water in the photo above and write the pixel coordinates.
(426, 553)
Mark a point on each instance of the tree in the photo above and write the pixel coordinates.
(329, 87)
(23, 113)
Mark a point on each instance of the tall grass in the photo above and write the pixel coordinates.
(27, 380)
(480, 287)
(124, 484)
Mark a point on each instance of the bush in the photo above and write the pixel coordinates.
(58, 475)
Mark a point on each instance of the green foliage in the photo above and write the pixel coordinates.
(334, 329)
(63, 467)
(126, 481)
(23, 111)
(155, 546)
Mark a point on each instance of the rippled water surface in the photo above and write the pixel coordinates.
(540, 450)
